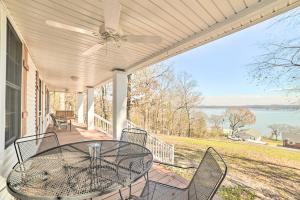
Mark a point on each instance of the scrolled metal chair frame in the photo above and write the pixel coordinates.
(31, 138)
(137, 136)
(134, 135)
(186, 192)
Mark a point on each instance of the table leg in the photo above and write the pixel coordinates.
(70, 125)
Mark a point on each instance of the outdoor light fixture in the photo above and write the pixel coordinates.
(74, 78)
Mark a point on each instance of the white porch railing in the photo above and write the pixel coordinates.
(161, 150)
(130, 124)
(103, 125)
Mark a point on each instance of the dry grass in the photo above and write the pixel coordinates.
(268, 171)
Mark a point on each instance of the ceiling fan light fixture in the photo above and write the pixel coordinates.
(110, 32)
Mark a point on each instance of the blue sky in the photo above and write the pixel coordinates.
(221, 67)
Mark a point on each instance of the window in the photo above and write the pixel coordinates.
(13, 86)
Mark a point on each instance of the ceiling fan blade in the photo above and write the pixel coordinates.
(93, 49)
(112, 12)
(142, 39)
(70, 28)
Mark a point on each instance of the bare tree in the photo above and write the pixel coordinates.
(276, 130)
(190, 97)
(146, 91)
(238, 118)
(199, 125)
(280, 64)
(216, 121)
(160, 101)
(103, 101)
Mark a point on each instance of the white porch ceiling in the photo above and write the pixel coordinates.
(182, 25)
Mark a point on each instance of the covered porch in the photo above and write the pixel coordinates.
(76, 47)
(68, 46)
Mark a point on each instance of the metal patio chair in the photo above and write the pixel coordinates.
(137, 136)
(203, 186)
(59, 123)
(28, 146)
(134, 135)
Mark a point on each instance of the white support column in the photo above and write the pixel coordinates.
(79, 108)
(62, 101)
(90, 111)
(119, 102)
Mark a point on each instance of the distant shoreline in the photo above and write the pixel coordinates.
(268, 107)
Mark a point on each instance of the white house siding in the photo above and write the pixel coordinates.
(8, 156)
(31, 98)
(45, 115)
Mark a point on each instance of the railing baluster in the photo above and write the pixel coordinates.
(102, 124)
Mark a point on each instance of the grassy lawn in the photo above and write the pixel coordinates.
(254, 171)
(272, 142)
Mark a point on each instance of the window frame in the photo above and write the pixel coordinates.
(13, 86)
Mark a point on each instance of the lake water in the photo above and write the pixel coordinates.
(264, 118)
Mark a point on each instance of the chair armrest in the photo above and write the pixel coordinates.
(177, 166)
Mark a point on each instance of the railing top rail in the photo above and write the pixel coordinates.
(159, 140)
(149, 134)
(103, 119)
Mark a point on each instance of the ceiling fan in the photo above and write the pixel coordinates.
(110, 31)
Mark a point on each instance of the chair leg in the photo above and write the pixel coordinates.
(129, 194)
(121, 196)
(146, 177)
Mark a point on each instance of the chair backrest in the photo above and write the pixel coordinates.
(53, 119)
(28, 146)
(134, 135)
(208, 177)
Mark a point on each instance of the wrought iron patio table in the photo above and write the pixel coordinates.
(78, 171)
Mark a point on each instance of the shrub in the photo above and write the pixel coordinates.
(236, 193)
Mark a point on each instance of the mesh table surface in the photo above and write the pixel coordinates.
(69, 172)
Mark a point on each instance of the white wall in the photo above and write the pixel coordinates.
(8, 156)
(31, 98)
